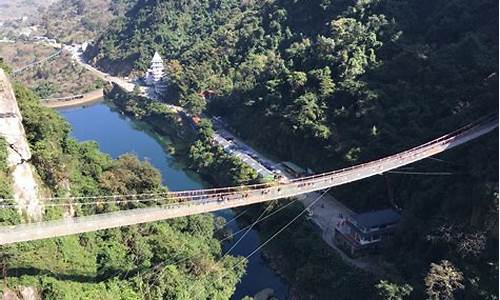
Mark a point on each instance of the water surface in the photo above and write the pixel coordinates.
(117, 135)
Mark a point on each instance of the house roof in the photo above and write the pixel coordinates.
(294, 167)
(156, 58)
(377, 218)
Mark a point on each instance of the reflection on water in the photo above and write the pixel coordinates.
(117, 135)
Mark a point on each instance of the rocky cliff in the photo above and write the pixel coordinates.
(25, 188)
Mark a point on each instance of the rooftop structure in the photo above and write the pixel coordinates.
(155, 73)
(362, 233)
(293, 168)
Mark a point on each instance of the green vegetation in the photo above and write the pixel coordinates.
(77, 21)
(391, 291)
(175, 259)
(4, 66)
(331, 84)
(4, 170)
(311, 256)
(193, 146)
(312, 268)
(7, 215)
(213, 162)
(58, 77)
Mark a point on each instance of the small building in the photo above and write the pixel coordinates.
(361, 234)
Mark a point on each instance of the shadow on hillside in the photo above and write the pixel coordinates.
(18, 272)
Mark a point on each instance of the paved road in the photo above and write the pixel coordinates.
(327, 210)
(325, 213)
(238, 148)
(124, 84)
(220, 135)
(203, 201)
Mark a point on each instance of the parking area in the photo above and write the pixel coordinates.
(236, 147)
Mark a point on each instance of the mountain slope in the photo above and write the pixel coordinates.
(334, 83)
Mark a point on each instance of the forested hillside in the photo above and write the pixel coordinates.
(335, 83)
(162, 260)
(78, 21)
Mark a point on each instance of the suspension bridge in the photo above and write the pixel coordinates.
(193, 202)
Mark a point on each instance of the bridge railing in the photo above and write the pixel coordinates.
(443, 139)
(218, 194)
(229, 191)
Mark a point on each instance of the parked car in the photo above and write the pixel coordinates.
(268, 165)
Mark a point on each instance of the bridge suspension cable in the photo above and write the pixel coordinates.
(234, 189)
(283, 228)
(422, 173)
(247, 230)
(287, 224)
(266, 217)
(159, 265)
(232, 220)
(203, 201)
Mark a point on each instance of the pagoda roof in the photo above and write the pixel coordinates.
(157, 58)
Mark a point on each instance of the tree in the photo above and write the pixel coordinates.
(297, 79)
(442, 280)
(194, 103)
(4, 66)
(392, 291)
(200, 156)
(137, 90)
(205, 130)
(324, 80)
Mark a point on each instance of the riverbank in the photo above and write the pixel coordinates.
(118, 133)
(299, 254)
(76, 100)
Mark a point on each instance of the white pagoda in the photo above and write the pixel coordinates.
(154, 75)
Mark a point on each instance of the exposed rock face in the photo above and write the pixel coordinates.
(24, 293)
(29, 293)
(25, 188)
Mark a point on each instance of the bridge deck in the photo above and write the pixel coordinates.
(219, 199)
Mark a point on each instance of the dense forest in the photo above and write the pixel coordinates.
(335, 83)
(170, 260)
(313, 271)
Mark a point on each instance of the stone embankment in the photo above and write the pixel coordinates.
(25, 188)
(76, 100)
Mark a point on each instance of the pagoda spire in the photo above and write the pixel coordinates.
(155, 73)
